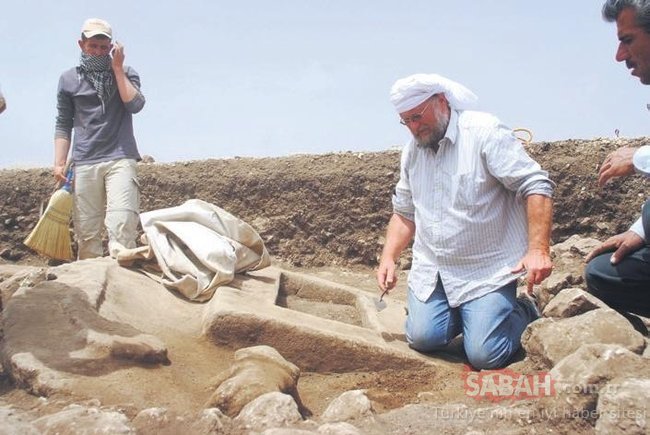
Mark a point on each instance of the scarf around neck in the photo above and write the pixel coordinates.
(98, 71)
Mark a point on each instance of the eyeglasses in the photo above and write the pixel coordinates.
(414, 118)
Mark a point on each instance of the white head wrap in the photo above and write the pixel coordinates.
(412, 91)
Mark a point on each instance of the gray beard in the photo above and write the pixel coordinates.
(432, 142)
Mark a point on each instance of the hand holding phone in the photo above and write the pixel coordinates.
(117, 54)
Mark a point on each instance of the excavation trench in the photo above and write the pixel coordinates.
(333, 332)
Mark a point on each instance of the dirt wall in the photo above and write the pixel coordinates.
(331, 209)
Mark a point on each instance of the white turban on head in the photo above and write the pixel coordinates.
(412, 91)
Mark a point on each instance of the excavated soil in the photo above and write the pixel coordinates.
(326, 215)
(331, 209)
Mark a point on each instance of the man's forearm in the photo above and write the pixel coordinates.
(399, 234)
(61, 149)
(540, 218)
(124, 86)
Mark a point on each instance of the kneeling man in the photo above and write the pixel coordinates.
(479, 211)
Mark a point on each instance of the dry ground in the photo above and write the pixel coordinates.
(326, 215)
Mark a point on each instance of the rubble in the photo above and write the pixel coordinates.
(93, 329)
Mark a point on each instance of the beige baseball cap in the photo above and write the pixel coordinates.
(95, 26)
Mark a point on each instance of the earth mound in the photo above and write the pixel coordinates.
(332, 209)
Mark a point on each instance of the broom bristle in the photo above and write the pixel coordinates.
(51, 235)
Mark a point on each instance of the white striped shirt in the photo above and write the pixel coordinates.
(467, 202)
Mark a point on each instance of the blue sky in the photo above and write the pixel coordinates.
(272, 78)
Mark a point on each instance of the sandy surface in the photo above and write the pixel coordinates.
(324, 215)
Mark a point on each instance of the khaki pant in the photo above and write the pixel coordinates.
(107, 192)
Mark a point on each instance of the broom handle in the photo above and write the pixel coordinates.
(69, 172)
(68, 180)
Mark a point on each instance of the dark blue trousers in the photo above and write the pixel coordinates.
(626, 285)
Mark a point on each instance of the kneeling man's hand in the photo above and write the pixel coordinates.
(623, 244)
(538, 266)
(386, 275)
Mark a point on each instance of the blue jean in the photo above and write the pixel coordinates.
(491, 325)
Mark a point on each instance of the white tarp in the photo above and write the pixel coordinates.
(199, 246)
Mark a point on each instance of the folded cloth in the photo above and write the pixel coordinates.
(199, 246)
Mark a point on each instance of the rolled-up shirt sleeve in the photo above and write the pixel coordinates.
(137, 103)
(510, 163)
(402, 198)
(537, 185)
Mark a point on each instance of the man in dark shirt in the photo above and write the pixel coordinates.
(97, 100)
(618, 271)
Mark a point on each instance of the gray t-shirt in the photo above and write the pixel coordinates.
(101, 134)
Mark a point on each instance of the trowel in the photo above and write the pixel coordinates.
(380, 303)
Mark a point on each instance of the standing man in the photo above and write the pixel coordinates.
(97, 99)
(479, 210)
(618, 272)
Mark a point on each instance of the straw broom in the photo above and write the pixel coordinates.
(51, 235)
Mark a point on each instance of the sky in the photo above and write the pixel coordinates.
(273, 78)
